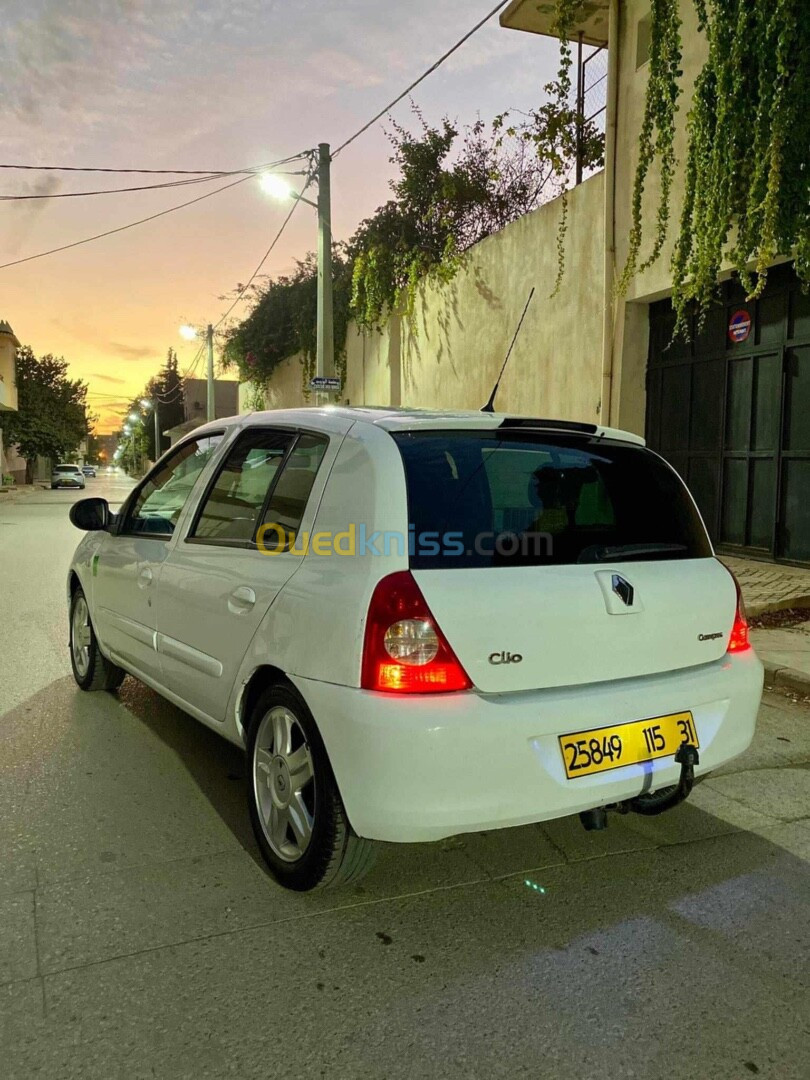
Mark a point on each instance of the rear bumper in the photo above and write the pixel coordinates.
(422, 768)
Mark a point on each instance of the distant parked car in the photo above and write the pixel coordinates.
(67, 476)
(89, 470)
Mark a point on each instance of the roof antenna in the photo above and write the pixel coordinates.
(490, 405)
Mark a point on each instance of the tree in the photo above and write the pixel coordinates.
(165, 390)
(52, 416)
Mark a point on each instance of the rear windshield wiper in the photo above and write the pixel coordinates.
(605, 553)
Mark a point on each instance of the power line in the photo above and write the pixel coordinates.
(422, 77)
(187, 374)
(266, 255)
(130, 225)
(114, 191)
(138, 187)
(156, 172)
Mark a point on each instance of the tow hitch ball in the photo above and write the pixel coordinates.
(651, 803)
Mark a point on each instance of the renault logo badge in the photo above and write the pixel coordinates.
(623, 589)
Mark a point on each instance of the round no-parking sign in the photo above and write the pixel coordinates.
(739, 326)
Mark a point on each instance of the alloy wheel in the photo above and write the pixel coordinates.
(284, 783)
(80, 639)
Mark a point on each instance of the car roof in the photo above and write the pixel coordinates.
(404, 419)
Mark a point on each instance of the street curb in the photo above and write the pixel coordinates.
(778, 677)
(755, 610)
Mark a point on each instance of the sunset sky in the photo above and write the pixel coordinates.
(205, 84)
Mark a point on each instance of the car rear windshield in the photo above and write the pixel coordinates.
(501, 498)
(67, 468)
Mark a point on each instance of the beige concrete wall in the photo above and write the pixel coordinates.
(449, 354)
(631, 332)
(654, 282)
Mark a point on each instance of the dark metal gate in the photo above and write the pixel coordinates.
(731, 411)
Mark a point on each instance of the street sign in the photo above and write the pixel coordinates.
(739, 326)
(329, 383)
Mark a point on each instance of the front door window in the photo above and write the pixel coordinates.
(165, 492)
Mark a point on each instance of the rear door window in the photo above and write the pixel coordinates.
(231, 507)
(498, 498)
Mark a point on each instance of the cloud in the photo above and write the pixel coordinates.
(23, 215)
(131, 352)
(107, 378)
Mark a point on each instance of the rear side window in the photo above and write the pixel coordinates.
(231, 508)
(500, 498)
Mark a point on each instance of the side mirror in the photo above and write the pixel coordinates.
(92, 515)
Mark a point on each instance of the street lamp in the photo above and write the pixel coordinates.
(277, 187)
(190, 333)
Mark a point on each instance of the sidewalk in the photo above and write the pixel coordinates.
(785, 651)
(17, 490)
(769, 586)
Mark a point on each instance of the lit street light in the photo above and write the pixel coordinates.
(275, 185)
(188, 332)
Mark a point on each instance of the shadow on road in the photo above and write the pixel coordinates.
(216, 765)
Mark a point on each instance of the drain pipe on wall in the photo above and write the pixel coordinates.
(609, 314)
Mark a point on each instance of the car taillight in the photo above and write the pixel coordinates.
(738, 639)
(404, 651)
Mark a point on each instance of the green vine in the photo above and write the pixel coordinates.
(564, 16)
(657, 136)
(748, 164)
(747, 167)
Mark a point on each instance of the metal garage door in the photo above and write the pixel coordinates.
(731, 410)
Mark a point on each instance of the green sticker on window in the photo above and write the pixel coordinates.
(95, 565)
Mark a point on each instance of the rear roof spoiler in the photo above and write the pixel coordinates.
(555, 425)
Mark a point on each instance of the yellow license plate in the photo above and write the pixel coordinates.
(626, 744)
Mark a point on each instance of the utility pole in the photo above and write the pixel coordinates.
(325, 357)
(209, 338)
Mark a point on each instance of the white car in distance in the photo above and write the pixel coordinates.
(420, 624)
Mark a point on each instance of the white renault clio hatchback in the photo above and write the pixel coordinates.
(421, 624)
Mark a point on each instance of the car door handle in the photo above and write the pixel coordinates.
(241, 599)
(145, 578)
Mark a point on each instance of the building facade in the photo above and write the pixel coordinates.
(195, 391)
(730, 408)
(8, 387)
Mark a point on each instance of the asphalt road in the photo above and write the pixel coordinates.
(139, 936)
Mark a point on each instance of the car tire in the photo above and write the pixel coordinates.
(296, 811)
(91, 669)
